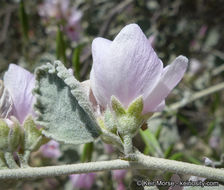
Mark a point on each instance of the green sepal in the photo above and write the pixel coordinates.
(136, 107)
(15, 135)
(117, 106)
(128, 121)
(87, 152)
(33, 137)
(10, 137)
(109, 121)
(3, 164)
(129, 125)
(4, 131)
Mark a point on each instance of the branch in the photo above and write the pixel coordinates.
(195, 96)
(4, 30)
(141, 162)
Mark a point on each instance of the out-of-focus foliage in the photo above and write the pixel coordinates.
(193, 28)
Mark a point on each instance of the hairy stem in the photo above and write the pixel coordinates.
(141, 162)
(24, 159)
(128, 147)
(10, 160)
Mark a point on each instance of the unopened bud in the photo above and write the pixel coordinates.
(128, 120)
(10, 136)
(33, 137)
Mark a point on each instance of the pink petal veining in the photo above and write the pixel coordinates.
(128, 67)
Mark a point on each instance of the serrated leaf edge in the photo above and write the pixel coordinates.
(58, 68)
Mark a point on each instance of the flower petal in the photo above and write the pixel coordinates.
(160, 107)
(126, 68)
(84, 181)
(51, 149)
(20, 82)
(5, 102)
(100, 50)
(171, 76)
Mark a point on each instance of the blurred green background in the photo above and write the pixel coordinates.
(193, 28)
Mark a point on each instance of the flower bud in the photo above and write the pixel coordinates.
(33, 137)
(51, 150)
(83, 181)
(10, 136)
(109, 121)
(129, 120)
(5, 101)
(4, 131)
(3, 164)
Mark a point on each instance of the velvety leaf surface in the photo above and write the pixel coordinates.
(62, 107)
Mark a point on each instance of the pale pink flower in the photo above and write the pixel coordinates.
(60, 10)
(128, 67)
(53, 8)
(83, 181)
(20, 83)
(202, 31)
(121, 186)
(119, 176)
(73, 26)
(51, 150)
(214, 141)
(108, 148)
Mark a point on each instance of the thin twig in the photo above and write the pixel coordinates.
(192, 98)
(4, 30)
(141, 162)
(217, 70)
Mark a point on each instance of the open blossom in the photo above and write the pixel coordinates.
(202, 31)
(20, 83)
(128, 67)
(51, 149)
(60, 10)
(83, 181)
(52, 8)
(73, 26)
(119, 176)
(108, 148)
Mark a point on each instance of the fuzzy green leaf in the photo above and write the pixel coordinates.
(23, 19)
(76, 61)
(60, 46)
(151, 143)
(62, 107)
